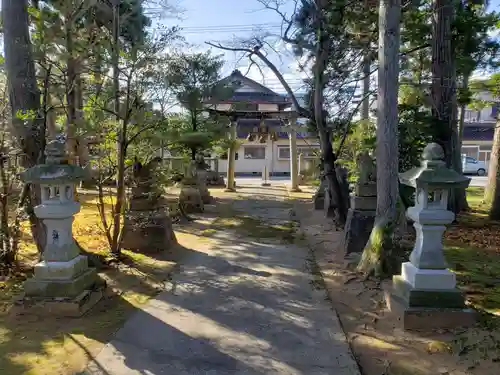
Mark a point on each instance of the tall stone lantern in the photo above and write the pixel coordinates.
(63, 275)
(425, 292)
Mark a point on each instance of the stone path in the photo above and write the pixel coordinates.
(242, 307)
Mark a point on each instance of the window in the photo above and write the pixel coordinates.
(284, 153)
(470, 160)
(485, 156)
(472, 115)
(255, 152)
(307, 152)
(470, 151)
(246, 106)
(224, 156)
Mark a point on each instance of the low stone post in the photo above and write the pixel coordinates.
(425, 294)
(231, 156)
(265, 177)
(300, 177)
(319, 195)
(62, 281)
(361, 214)
(294, 173)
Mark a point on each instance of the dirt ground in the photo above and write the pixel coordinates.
(375, 335)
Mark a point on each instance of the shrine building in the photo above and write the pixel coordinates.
(263, 119)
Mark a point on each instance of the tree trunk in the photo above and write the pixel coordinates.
(70, 95)
(121, 142)
(24, 98)
(459, 196)
(337, 205)
(376, 256)
(492, 191)
(443, 87)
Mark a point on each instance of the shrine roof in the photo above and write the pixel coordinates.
(478, 132)
(249, 91)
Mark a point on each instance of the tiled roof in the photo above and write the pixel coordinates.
(478, 132)
(245, 126)
(259, 97)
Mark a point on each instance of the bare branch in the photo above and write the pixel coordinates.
(253, 62)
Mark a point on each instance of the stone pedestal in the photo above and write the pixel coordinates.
(425, 295)
(63, 276)
(360, 218)
(190, 198)
(357, 230)
(147, 225)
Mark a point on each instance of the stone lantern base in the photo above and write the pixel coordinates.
(148, 231)
(428, 299)
(68, 288)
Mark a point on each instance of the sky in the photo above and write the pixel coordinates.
(223, 20)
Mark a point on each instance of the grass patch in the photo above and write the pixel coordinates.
(47, 346)
(254, 228)
(471, 248)
(475, 196)
(315, 182)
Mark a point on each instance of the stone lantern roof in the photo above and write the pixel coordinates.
(433, 171)
(55, 170)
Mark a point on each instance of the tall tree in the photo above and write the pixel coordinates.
(443, 87)
(492, 191)
(24, 96)
(377, 253)
(474, 49)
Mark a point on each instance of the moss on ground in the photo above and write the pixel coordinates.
(254, 228)
(47, 346)
(473, 253)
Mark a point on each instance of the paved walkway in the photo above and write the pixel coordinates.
(242, 307)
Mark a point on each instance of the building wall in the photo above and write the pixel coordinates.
(276, 162)
(480, 150)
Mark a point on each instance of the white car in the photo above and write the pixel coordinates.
(473, 166)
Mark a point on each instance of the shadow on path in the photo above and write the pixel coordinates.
(241, 307)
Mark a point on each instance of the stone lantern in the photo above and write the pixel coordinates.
(63, 274)
(425, 292)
